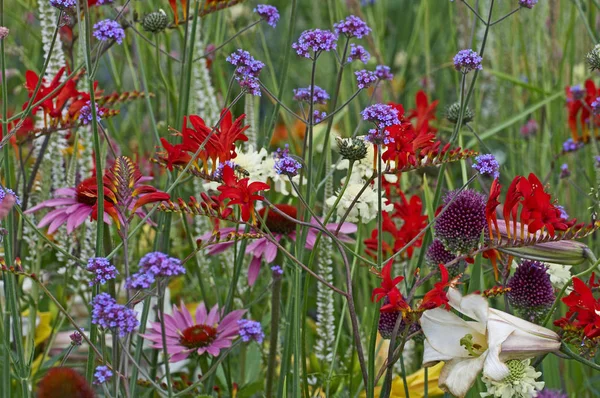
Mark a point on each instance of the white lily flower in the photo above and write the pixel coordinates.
(495, 337)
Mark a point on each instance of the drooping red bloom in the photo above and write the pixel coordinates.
(584, 307)
(241, 193)
(174, 154)
(390, 290)
(491, 205)
(579, 111)
(437, 297)
(424, 113)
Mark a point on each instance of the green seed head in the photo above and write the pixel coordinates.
(593, 58)
(155, 22)
(453, 113)
(352, 149)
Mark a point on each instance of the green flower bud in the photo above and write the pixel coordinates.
(453, 113)
(352, 149)
(155, 22)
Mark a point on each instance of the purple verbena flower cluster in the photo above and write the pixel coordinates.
(219, 170)
(85, 114)
(107, 314)
(379, 137)
(382, 115)
(107, 30)
(63, 4)
(102, 269)
(320, 96)
(154, 265)
(352, 26)
(571, 146)
(384, 72)
(277, 270)
(318, 116)
(285, 164)
(268, 13)
(358, 53)
(251, 330)
(247, 70)
(102, 375)
(487, 165)
(467, 60)
(365, 78)
(315, 41)
(527, 3)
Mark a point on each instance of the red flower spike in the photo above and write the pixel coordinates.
(583, 307)
(240, 192)
(424, 113)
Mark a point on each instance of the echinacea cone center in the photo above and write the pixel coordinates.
(276, 223)
(198, 336)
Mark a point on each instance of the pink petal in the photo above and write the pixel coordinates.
(253, 270)
(186, 314)
(212, 350)
(257, 247)
(230, 321)
(77, 218)
(311, 238)
(48, 218)
(201, 314)
(75, 207)
(270, 252)
(219, 247)
(56, 223)
(68, 192)
(179, 357)
(213, 316)
(346, 228)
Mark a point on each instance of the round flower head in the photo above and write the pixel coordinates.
(245, 64)
(285, 164)
(387, 322)
(571, 146)
(453, 113)
(318, 116)
(352, 149)
(382, 115)
(383, 72)
(107, 314)
(268, 13)
(208, 332)
(564, 171)
(85, 114)
(577, 92)
(531, 291)
(379, 137)
(62, 382)
(521, 381)
(155, 22)
(546, 393)
(352, 26)
(467, 60)
(365, 78)
(76, 338)
(358, 53)
(487, 165)
(320, 96)
(102, 375)
(437, 254)
(461, 225)
(107, 30)
(63, 4)
(530, 128)
(596, 106)
(312, 42)
(154, 265)
(593, 58)
(102, 270)
(5, 191)
(527, 3)
(251, 330)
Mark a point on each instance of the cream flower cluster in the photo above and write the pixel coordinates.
(520, 383)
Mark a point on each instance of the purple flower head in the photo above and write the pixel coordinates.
(382, 115)
(315, 40)
(268, 13)
(247, 70)
(358, 53)
(365, 3)
(527, 3)
(251, 85)
(383, 72)
(352, 26)
(531, 290)
(285, 164)
(564, 171)
(102, 269)
(487, 165)
(379, 137)
(161, 265)
(5, 191)
(102, 2)
(85, 114)
(571, 146)
(102, 375)
(251, 330)
(76, 338)
(577, 92)
(63, 4)
(463, 222)
(529, 128)
(437, 254)
(563, 212)
(140, 280)
(218, 174)
(320, 96)
(597, 159)
(107, 30)
(365, 78)
(596, 106)
(107, 314)
(387, 322)
(277, 271)
(547, 393)
(467, 60)
(318, 116)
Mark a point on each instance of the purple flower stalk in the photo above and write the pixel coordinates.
(365, 78)
(63, 4)
(102, 269)
(467, 60)
(382, 115)
(527, 3)
(107, 30)
(251, 330)
(358, 53)
(571, 146)
(268, 13)
(487, 165)
(383, 72)
(85, 114)
(107, 314)
(352, 26)
(320, 96)
(315, 41)
(102, 375)
(379, 137)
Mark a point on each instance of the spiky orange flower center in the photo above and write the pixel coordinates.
(198, 336)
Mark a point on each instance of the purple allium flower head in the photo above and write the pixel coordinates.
(596, 106)
(63, 4)
(358, 53)
(102, 375)
(467, 60)
(320, 96)
(315, 40)
(107, 314)
(285, 164)
(571, 146)
(383, 72)
(268, 13)
(277, 270)
(76, 338)
(529, 128)
(564, 171)
(387, 322)
(102, 269)
(531, 291)
(547, 393)
(352, 26)
(563, 212)
(463, 222)
(437, 254)
(85, 114)
(577, 92)
(251, 330)
(379, 137)
(527, 3)
(318, 116)
(487, 165)
(382, 115)
(107, 30)
(365, 78)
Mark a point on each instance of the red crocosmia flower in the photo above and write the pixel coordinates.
(583, 307)
(174, 154)
(241, 193)
(581, 108)
(424, 113)
(389, 289)
(437, 297)
(491, 205)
